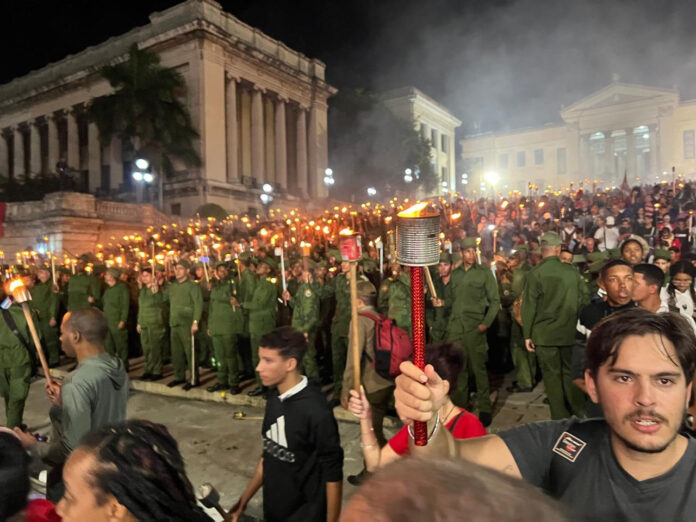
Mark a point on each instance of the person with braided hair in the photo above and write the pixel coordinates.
(127, 472)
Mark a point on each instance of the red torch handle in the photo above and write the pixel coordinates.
(420, 429)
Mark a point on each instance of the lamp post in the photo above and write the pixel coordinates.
(328, 178)
(267, 195)
(142, 177)
(408, 175)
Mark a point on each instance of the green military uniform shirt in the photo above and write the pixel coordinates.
(262, 306)
(305, 304)
(151, 306)
(553, 295)
(12, 351)
(474, 296)
(44, 301)
(399, 302)
(341, 320)
(185, 303)
(80, 288)
(223, 318)
(116, 303)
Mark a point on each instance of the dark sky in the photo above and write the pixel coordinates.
(495, 63)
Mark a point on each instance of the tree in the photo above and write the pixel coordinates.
(146, 112)
(370, 146)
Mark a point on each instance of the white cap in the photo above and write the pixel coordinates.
(610, 220)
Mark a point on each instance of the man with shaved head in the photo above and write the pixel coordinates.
(91, 396)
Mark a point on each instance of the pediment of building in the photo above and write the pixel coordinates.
(620, 96)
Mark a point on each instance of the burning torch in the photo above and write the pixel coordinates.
(417, 246)
(21, 295)
(351, 251)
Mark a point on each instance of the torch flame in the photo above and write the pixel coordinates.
(456, 216)
(346, 232)
(15, 284)
(417, 210)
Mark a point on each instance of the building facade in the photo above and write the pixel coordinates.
(433, 121)
(623, 129)
(260, 109)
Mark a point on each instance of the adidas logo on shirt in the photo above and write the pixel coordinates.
(275, 443)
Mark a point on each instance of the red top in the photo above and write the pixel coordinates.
(468, 426)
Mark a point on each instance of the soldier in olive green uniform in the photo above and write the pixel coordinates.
(247, 283)
(524, 361)
(116, 303)
(151, 324)
(475, 303)
(438, 316)
(662, 259)
(45, 302)
(339, 327)
(553, 296)
(15, 365)
(305, 319)
(226, 322)
(262, 309)
(83, 289)
(203, 341)
(185, 309)
(326, 307)
(399, 298)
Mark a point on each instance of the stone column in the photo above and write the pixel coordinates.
(584, 159)
(73, 158)
(608, 156)
(18, 153)
(34, 149)
(115, 163)
(281, 145)
(631, 155)
(654, 167)
(257, 166)
(231, 129)
(53, 143)
(245, 131)
(94, 157)
(4, 156)
(312, 153)
(269, 143)
(301, 124)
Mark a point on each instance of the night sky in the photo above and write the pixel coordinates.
(496, 64)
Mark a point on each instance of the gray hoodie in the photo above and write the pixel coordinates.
(93, 395)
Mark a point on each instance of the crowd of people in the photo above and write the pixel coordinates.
(523, 282)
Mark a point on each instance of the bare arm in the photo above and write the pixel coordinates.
(252, 487)
(418, 396)
(334, 494)
(373, 455)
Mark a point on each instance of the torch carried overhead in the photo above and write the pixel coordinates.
(351, 251)
(418, 246)
(22, 296)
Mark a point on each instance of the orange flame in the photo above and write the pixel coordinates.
(15, 284)
(456, 216)
(346, 232)
(417, 210)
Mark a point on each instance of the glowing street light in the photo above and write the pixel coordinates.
(328, 177)
(371, 191)
(408, 175)
(142, 164)
(267, 188)
(492, 177)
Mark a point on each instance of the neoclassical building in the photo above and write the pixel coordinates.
(433, 120)
(636, 130)
(260, 109)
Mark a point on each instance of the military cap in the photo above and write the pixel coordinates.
(84, 258)
(365, 288)
(183, 262)
(322, 262)
(159, 267)
(197, 264)
(522, 248)
(467, 242)
(99, 269)
(311, 263)
(596, 266)
(592, 257)
(579, 258)
(456, 258)
(115, 272)
(63, 270)
(270, 262)
(245, 256)
(336, 254)
(43, 266)
(445, 257)
(220, 263)
(636, 239)
(662, 253)
(550, 239)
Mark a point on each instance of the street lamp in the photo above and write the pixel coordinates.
(408, 175)
(142, 176)
(267, 195)
(371, 191)
(328, 177)
(444, 187)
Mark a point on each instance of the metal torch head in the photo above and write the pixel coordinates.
(350, 245)
(208, 495)
(417, 236)
(19, 291)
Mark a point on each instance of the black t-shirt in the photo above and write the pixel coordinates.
(573, 461)
(301, 453)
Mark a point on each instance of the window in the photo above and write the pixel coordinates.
(176, 209)
(443, 142)
(561, 160)
(444, 174)
(539, 157)
(424, 131)
(433, 137)
(521, 159)
(503, 161)
(689, 144)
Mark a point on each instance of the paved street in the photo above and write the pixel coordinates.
(224, 451)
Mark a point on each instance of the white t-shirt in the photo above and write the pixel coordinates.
(607, 238)
(683, 301)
